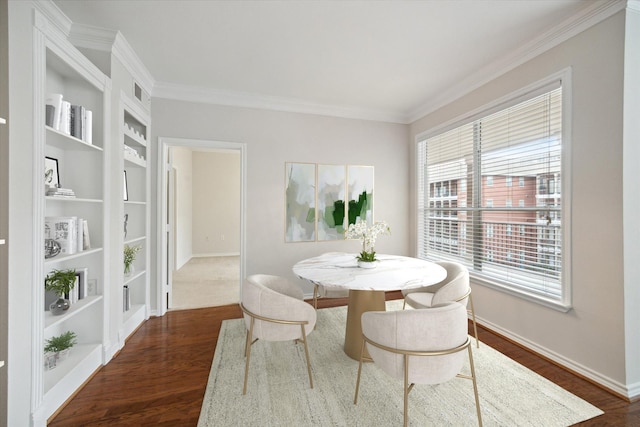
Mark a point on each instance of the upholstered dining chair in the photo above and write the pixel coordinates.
(423, 346)
(455, 287)
(274, 310)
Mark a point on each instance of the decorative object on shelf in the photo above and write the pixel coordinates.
(51, 173)
(126, 298)
(368, 235)
(51, 248)
(61, 282)
(59, 346)
(130, 256)
(125, 194)
(126, 220)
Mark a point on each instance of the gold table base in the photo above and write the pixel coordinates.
(359, 302)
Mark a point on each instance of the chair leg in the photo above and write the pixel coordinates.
(473, 318)
(475, 386)
(355, 399)
(306, 352)
(315, 296)
(247, 353)
(406, 391)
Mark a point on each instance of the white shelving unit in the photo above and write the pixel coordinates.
(82, 166)
(135, 134)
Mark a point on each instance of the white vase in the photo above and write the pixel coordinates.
(367, 264)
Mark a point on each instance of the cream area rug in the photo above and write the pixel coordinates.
(278, 392)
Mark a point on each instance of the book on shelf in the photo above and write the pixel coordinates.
(63, 230)
(74, 120)
(65, 116)
(86, 242)
(60, 192)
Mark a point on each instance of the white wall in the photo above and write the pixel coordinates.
(216, 203)
(181, 160)
(631, 180)
(590, 338)
(274, 138)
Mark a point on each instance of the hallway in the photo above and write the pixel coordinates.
(206, 282)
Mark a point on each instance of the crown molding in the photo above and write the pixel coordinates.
(251, 100)
(54, 16)
(105, 40)
(572, 26)
(633, 5)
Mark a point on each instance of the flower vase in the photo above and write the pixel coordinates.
(128, 271)
(59, 306)
(367, 264)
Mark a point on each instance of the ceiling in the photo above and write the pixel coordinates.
(382, 60)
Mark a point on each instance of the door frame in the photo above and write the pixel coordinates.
(163, 239)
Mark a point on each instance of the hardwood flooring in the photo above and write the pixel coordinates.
(159, 377)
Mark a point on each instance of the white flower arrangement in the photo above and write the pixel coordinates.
(368, 235)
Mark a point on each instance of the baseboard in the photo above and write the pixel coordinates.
(215, 254)
(629, 393)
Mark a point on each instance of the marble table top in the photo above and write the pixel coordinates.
(340, 270)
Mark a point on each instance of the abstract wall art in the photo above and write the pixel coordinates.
(321, 200)
(360, 193)
(300, 202)
(331, 201)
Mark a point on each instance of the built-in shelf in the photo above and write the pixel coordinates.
(63, 141)
(132, 318)
(72, 256)
(50, 320)
(134, 161)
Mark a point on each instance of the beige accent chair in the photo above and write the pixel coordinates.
(455, 287)
(421, 346)
(274, 310)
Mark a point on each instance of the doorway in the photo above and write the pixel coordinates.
(202, 211)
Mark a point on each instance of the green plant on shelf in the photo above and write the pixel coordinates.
(61, 342)
(130, 253)
(60, 281)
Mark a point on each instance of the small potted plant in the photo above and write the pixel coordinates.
(61, 282)
(60, 345)
(368, 235)
(130, 256)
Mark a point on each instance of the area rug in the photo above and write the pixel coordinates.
(278, 391)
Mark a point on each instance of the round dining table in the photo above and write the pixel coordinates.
(367, 286)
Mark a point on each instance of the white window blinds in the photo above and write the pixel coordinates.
(466, 191)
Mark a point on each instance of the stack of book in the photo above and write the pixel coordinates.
(74, 120)
(60, 192)
(71, 233)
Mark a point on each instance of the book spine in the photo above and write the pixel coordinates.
(79, 234)
(65, 118)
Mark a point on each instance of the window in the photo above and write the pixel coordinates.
(523, 138)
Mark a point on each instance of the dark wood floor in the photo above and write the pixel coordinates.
(159, 378)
